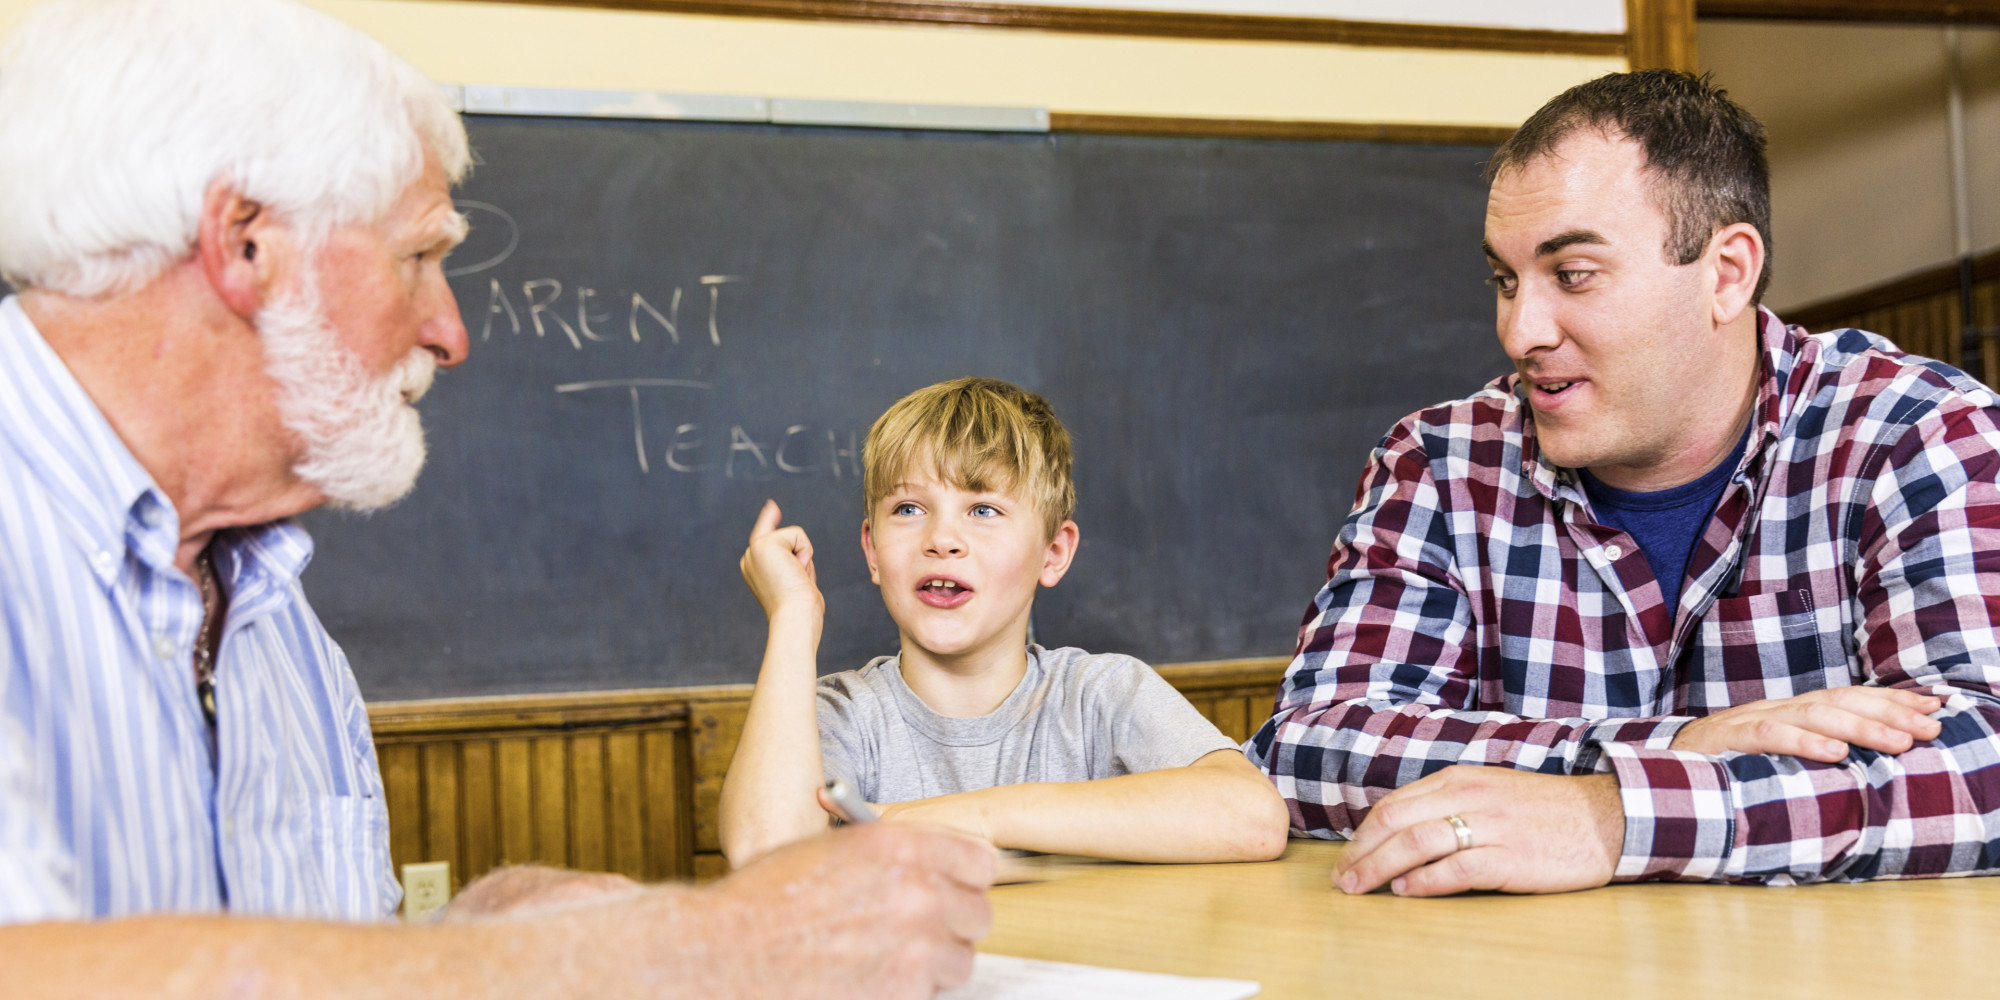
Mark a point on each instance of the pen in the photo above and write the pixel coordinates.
(848, 803)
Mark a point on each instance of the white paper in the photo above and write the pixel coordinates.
(1004, 977)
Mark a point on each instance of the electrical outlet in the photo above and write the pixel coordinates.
(426, 888)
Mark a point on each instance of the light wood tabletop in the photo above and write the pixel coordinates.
(1281, 923)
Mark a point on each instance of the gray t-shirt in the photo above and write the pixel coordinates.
(1076, 716)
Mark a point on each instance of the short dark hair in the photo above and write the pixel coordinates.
(1705, 150)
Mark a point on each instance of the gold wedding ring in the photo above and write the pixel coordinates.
(1461, 831)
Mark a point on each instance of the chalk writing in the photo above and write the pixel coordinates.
(492, 225)
(736, 450)
(584, 315)
(545, 311)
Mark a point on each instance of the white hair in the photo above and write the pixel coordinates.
(117, 115)
(361, 442)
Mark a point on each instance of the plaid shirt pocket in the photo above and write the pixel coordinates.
(1757, 646)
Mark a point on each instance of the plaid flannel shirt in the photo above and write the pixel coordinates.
(1476, 613)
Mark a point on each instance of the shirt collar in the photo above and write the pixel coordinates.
(108, 501)
(1777, 391)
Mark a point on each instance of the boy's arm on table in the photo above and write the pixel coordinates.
(1219, 808)
(768, 796)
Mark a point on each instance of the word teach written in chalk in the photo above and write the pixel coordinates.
(736, 452)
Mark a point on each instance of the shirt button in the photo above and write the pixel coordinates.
(163, 646)
(103, 562)
(1612, 552)
(149, 515)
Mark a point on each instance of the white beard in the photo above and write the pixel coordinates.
(362, 443)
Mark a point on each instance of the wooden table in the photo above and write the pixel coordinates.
(1282, 924)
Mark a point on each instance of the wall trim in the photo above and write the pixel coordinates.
(1905, 11)
(574, 710)
(1164, 24)
(1264, 128)
(1921, 284)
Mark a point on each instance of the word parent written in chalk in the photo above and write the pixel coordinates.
(543, 310)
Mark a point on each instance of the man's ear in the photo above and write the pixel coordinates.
(1738, 254)
(237, 249)
(868, 550)
(1061, 549)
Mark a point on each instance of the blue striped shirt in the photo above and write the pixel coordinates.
(111, 801)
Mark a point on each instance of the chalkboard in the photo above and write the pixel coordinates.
(671, 322)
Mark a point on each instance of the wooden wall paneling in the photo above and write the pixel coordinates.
(587, 834)
(709, 866)
(514, 806)
(479, 833)
(1921, 313)
(668, 805)
(1840, 310)
(624, 809)
(1231, 715)
(550, 801)
(1986, 315)
(403, 790)
(1206, 706)
(714, 726)
(441, 805)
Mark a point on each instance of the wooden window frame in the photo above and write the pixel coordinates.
(1162, 24)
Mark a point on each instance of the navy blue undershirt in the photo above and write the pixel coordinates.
(1666, 523)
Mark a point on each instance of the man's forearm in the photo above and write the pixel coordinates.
(593, 952)
(767, 797)
(877, 911)
(1409, 741)
(1768, 817)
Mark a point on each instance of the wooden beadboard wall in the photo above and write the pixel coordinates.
(624, 781)
(1921, 314)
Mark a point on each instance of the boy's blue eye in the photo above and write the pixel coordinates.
(985, 510)
(903, 509)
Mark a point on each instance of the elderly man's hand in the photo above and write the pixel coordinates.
(876, 910)
(1818, 725)
(1530, 833)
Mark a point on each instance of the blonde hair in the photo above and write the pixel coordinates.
(978, 434)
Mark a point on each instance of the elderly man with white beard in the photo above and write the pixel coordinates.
(227, 220)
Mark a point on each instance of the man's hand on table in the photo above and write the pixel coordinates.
(875, 910)
(1817, 725)
(1530, 833)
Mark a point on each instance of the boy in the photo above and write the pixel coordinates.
(968, 503)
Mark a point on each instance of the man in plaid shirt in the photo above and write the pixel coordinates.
(1713, 598)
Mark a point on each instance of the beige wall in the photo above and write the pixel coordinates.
(1860, 183)
(567, 47)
